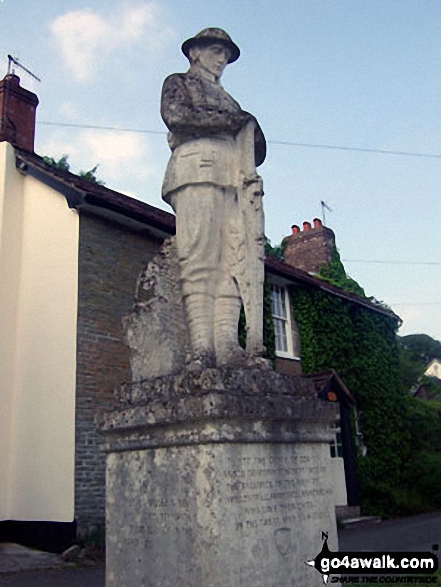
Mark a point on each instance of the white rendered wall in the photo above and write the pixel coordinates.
(10, 247)
(38, 313)
(434, 369)
(339, 480)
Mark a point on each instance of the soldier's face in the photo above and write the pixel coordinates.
(213, 58)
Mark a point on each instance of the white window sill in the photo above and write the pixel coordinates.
(285, 355)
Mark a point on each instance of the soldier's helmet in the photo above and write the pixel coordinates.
(208, 37)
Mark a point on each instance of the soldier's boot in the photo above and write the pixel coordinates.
(226, 320)
(200, 316)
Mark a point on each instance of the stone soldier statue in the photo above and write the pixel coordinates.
(212, 185)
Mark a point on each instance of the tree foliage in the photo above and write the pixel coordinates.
(416, 352)
(421, 490)
(63, 165)
(421, 346)
(278, 251)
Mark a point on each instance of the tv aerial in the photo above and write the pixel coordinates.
(324, 206)
(14, 61)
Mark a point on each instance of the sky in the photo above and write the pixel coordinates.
(363, 76)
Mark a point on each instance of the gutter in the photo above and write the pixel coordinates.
(74, 196)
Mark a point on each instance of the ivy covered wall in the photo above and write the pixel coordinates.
(360, 344)
(401, 471)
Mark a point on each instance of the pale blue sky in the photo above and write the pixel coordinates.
(354, 73)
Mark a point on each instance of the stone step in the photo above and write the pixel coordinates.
(359, 522)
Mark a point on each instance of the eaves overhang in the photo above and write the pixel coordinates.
(301, 278)
(73, 195)
(83, 195)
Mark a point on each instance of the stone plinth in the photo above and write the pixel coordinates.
(218, 479)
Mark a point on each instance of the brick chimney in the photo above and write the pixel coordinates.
(17, 113)
(311, 248)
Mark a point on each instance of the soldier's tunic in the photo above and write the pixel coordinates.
(201, 183)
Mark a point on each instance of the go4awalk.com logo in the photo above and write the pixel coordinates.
(392, 567)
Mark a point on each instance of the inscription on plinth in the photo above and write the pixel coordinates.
(275, 490)
(219, 515)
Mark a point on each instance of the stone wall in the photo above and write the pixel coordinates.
(111, 257)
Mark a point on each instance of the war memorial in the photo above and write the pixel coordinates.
(217, 466)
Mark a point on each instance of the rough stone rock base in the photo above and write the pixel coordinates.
(155, 327)
(220, 480)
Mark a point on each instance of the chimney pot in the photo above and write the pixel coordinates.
(306, 226)
(317, 223)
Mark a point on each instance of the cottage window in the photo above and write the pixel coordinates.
(278, 308)
(281, 311)
(336, 445)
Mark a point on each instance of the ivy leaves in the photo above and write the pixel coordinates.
(361, 346)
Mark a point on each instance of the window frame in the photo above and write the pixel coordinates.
(289, 322)
(336, 444)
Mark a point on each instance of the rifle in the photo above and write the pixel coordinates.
(251, 277)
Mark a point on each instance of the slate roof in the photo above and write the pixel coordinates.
(83, 194)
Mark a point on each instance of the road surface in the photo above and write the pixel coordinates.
(417, 533)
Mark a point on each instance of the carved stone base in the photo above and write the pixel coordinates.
(218, 479)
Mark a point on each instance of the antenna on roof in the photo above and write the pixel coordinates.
(324, 206)
(15, 61)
